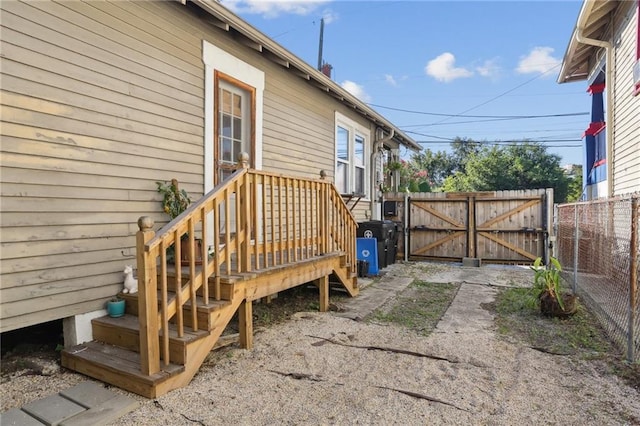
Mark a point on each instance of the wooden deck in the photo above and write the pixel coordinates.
(288, 232)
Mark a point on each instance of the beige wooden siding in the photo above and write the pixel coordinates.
(99, 100)
(626, 145)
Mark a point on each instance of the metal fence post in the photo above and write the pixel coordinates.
(576, 240)
(633, 277)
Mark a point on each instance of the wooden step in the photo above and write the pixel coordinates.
(117, 366)
(125, 332)
(207, 314)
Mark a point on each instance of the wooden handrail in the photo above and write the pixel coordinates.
(252, 221)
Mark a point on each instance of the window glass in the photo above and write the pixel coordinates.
(343, 144)
(234, 126)
(359, 150)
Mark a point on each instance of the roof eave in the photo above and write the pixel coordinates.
(255, 39)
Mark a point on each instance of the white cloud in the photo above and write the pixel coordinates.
(389, 79)
(538, 61)
(273, 8)
(329, 16)
(489, 69)
(356, 90)
(443, 68)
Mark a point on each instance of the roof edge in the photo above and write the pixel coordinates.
(287, 59)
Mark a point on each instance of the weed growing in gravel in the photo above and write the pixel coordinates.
(419, 307)
(580, 335)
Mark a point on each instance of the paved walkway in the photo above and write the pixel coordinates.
(85, 404)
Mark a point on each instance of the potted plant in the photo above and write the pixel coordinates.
(547, 289)
(174, 202)
(116, 307)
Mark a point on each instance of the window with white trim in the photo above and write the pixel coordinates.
(234, 111)
(351, 157)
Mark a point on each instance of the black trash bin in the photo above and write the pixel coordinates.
(363, 268)
(384, 232)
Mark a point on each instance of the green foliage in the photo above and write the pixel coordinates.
(441, 164)
(419, 308)
(547, 279)
(580, 333)
(174, 200)
(524, 165)
(575, 184)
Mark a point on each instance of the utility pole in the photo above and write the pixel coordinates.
(320, 46)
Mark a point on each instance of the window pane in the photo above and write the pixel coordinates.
(225, 148)
(237, 149)
(343, 144)
(237, 105)
(237, 128)
(359, 181)
(226, 126)
(359, 151)
(225, 101)
(341, 177)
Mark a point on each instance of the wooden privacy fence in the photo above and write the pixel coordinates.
(495, 226)
(252, 221)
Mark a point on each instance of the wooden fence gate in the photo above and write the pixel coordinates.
(497, 227)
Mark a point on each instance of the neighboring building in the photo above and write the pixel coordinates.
(102, 99)
(604, 51)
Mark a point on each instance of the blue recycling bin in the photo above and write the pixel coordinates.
(367, 249)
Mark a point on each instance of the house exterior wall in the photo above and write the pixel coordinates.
(626, 106)
(100, 101)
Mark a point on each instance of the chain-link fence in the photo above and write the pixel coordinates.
(598, 247)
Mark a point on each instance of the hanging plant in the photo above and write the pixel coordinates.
(174, 200)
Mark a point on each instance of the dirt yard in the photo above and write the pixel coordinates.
(324, 368)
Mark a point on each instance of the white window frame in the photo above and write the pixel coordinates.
(354, 130)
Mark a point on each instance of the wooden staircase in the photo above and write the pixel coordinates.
(179, 314)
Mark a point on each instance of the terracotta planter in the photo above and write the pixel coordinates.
(550, 307)
(184, 251)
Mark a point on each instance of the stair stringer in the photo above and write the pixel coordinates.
(197, 351)
(347, 279)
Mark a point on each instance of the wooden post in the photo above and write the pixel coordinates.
(245, 319)
(471, 227)
(323, 285)
(243, 160)
(147, 300)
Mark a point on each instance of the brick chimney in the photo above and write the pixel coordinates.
(326, 69)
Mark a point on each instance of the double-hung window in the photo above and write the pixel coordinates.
(351, 157)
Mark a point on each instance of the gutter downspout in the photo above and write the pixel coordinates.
(377, 146)
(609, 84)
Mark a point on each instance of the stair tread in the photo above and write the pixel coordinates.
(119, 361)
(130, 322)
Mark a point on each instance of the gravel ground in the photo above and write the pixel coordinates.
(294, 375)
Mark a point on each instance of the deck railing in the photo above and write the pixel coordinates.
(252, 221)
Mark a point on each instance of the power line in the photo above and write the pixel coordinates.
(501, 117)
(513, 143)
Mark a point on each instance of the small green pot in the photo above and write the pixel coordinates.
(115, 309)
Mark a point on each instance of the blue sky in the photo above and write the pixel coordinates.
(467, 58)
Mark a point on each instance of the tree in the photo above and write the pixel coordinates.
(525, 165)
(439, 165)
(575, 183)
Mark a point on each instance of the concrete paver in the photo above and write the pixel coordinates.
(86, 404)
(53, 409)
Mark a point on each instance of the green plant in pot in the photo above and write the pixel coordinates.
(174, 202)
(547, 288)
